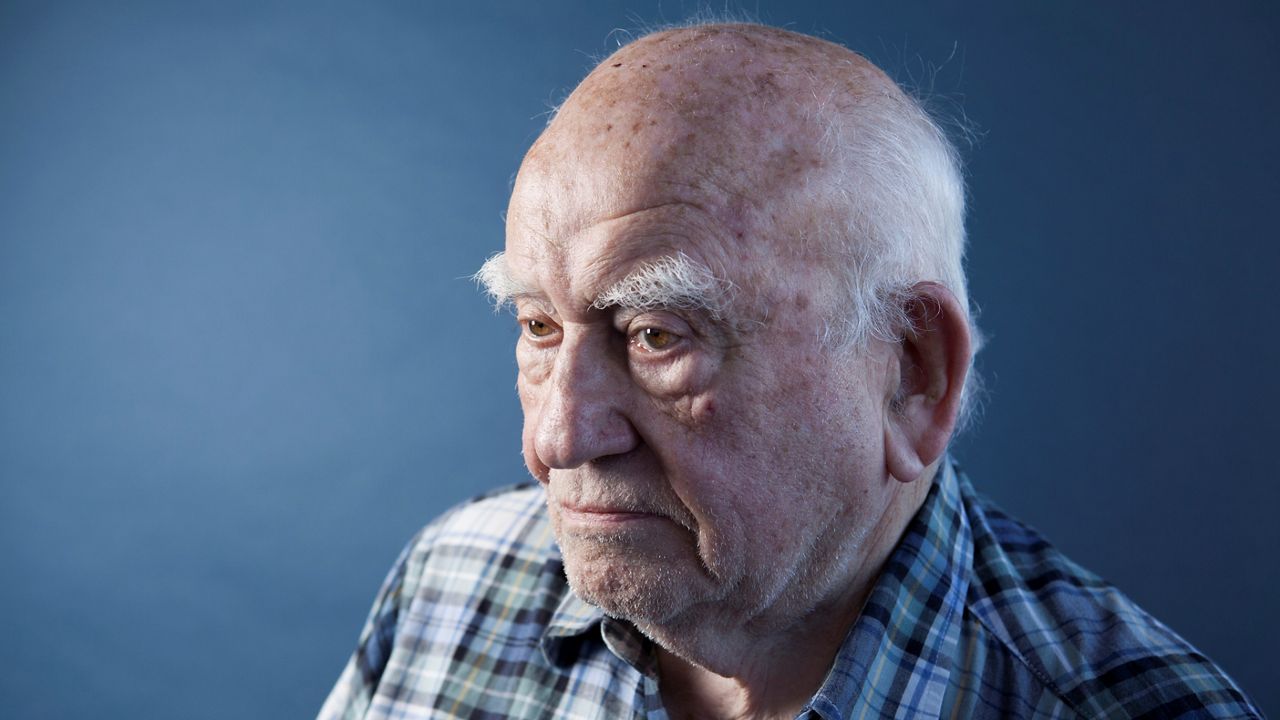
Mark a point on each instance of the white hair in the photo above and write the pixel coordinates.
(497, 281)
(672, 281)
(901, 188)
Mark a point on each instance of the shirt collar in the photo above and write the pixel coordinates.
(896, 659)
(574, 620)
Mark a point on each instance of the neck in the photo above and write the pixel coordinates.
(756, 677)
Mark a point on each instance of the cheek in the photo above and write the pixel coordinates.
(534, 365)
(533, 369)
(682, 389)
(530, 405)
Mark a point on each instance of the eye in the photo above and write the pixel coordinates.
(537, 328)
(652, 338)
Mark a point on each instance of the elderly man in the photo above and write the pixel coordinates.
(735, 259)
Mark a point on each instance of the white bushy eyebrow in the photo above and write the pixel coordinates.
(497, 281)
(674, 281)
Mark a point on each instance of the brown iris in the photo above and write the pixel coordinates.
(656, 339)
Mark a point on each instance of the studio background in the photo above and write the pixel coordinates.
(241, 362)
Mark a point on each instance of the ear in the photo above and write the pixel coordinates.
(924, 397)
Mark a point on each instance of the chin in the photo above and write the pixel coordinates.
(646, 589)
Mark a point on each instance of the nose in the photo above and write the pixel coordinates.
(581, 409)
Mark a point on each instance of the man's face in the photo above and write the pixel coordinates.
(702, 464)
(698, 462)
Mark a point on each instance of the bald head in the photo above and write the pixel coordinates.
(737, 111)
(796, 142)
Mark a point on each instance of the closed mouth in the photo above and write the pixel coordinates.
(605, 514)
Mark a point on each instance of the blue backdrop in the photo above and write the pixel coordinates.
(241, 361)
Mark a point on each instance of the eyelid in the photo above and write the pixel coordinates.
(629, 319)
(527, 305)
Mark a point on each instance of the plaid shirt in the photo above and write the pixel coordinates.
(974, 616)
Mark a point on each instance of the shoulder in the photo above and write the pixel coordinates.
(504, 529)
(1080, 637)
(472, 589)
(497, 517)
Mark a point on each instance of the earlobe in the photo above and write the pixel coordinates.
(933, 361)
(901, 457)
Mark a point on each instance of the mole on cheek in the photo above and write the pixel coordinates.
(704, 409)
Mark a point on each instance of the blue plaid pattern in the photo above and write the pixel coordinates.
(974, 616)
